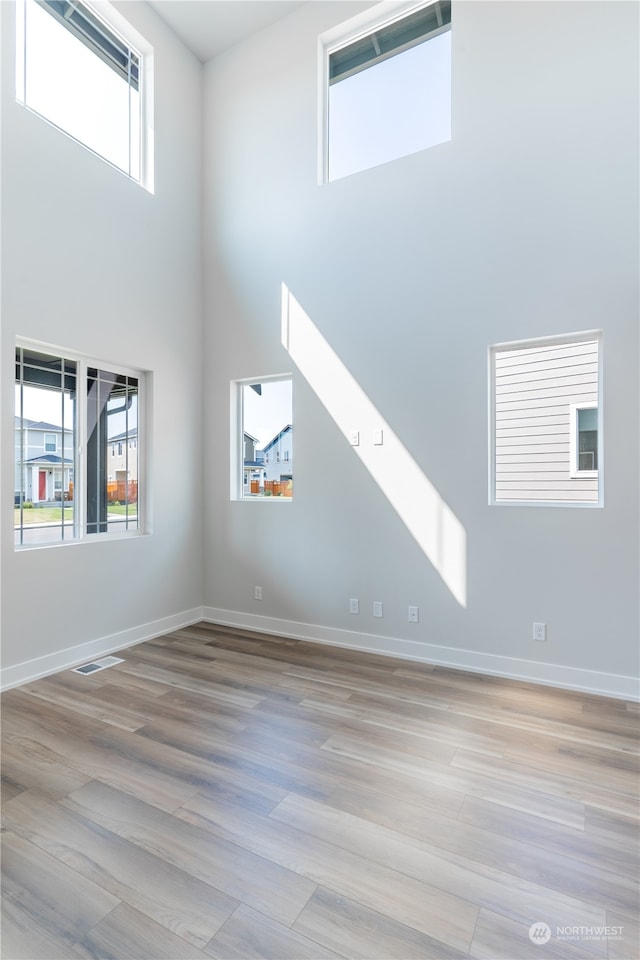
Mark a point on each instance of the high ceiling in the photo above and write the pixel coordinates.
(208, 27)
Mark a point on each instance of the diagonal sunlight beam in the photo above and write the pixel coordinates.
(427, 517)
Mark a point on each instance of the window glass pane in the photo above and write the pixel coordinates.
(112, 465)
(391, 109)
(69, 85)
(588, 419)
(44, 449)
(267, 431)
(587, 439)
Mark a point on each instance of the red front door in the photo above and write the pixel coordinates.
(42, 485)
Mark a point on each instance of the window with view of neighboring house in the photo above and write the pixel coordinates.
(62, 496)
(263, 412)
(387, 86)
(85, 72)
(546, 421)
(584, 440)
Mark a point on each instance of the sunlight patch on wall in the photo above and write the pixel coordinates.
(427, 517)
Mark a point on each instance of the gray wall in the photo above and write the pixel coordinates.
(93, 262)
(523, 226)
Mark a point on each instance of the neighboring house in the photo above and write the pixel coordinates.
(252, 464)
(46, 451)
(278, 455)
(122, 456)
(547, 422)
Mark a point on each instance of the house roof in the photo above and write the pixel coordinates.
(49, 458)
(127, 435)
(276, 438)
(39, 425)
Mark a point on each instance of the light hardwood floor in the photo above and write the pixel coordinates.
(223, 794)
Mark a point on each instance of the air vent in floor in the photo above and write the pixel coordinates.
(98, 665)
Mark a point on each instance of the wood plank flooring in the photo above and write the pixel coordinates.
(229, 795)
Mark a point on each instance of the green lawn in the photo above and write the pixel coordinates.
(52, 514)
(41, 515)
(121, 508)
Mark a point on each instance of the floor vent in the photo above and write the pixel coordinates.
(98, 665)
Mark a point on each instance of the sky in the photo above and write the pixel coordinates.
(264, 416)
(375, 115)
(45, 405)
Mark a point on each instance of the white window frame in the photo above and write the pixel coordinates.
(236, 420)
(83, 363)
(50, 445)
(575, 472)
(119, 26)
(555, 340)
(360, 26)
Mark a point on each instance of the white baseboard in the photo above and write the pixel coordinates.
(531, 671)
(84, 652)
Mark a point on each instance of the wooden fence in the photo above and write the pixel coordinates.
(124, 491)
(273, 488)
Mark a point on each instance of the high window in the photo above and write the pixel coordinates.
(81, 71)
(546, 417)
(386, 86)
(65, 496)
(264, 417)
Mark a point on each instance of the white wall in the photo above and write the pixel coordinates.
(93, 262)
(523, 226)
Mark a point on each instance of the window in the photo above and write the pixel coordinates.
(584, 440)
(546, 421)
(263, 415)
(50, 442)
(387, 87)
(87, 76)
(63, 496)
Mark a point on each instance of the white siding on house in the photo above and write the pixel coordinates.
(278, 456)
(535, 386)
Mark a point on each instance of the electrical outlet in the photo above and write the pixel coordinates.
(354, 605)
(413, 615)
(378, 439)
(540, 632)
(354, 438)
(257, 593)
(377, 608)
